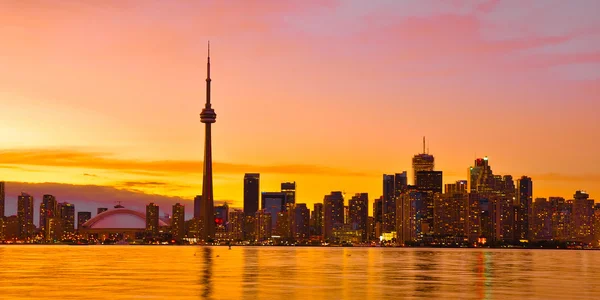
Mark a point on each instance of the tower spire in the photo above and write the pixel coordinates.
(208, 78)
(423, 145)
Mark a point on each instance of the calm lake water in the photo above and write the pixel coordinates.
(187, 272)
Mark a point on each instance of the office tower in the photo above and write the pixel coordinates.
(359, 212)
(264, 225)
(273, 202)
(67, 217)
(101, 210)
(481, 177)
(582, 217)
(300, 219)
(541, 227)
(208, 117)
(400, 183)
(221, 215)
(459, 187)
(289, 189)
(197, 207)
(318, 219)
(523, 201)
(378, 210)
(490, 216)
(12, 230)
(422, 162)
(236, 225)
(82, 217)
(333, 215)
(451, 214)
(596, 228)
(251, 193)
(25, 216)
(152, 218)
(178, 222)
(2, 199)
(250, 233)
(389, 203)
(429, 181)
(411, 223)
(48, 210)
(371, 226)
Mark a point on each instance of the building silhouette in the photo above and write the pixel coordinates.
(2, 199)
(359, 213)
(289, 189)
(251, 193)
(236, 225)
(300, 221)
(333, 214)
(208, 117)
(82, 217)
(524, 203)
(422, 162)
(67, 217)
(582, 217)
(429, 181)
(178, 221)
(48, 210)
(152, 211)
(25, 216)
(273, 203)
(317, 219)
(389, 203)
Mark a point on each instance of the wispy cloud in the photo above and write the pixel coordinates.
(105, 161)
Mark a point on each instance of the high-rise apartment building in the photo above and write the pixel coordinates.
(48, 210)
(25, 216)
(359, 212)
(541, 227)
(273, 203)
(317, 216)
(429, 181)
(333, 215)
(178, 221)
(251, 193)
(458, 187)
(67, 217)
(152, 219)
(582, 217)
(451, 214)
(236, 224)
(300, 219)
(263, 225)
(524, 202)
(389, 203)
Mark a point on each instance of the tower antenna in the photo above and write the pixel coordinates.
(423, 145)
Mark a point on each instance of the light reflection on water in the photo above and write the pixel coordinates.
(172, 272)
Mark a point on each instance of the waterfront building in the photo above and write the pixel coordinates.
(333, 215)
(152, 219)
(25, 216)
(178, 221)
(251, 193)
(359, 209)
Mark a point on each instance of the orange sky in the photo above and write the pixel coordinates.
(330, 94)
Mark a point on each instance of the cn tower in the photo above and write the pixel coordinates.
(208, 116)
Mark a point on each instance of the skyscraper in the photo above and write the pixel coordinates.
(300, 217)
(541, 227)
(378, 210)
(289, 189)
(222, 216)
(582, 217)
(481, 177)
(389, 203)
(197, 207)
(25, 216)
(524, 201)
(273, 203)
(208, 116)
(82, 217)
(152, 218)
(317, 216)
(264, 225)
(359, 212)
(48, 210)
(251, 193)
(236, 224)
(178, 221)
(422, 162)
(2, 198)
(67, 217)
(333, 215)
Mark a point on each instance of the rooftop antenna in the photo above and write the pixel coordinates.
(423, 144)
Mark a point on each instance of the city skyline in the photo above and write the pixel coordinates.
(102, 141)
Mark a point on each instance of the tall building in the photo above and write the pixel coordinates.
(481, 177)
(25, 216)
(524, 203)
(101, 210)
(400, 183)
(2, 198)
(264, 225)
(208, 117)
(251, 193)
(82, 217)
(222, 215)
(582, 218)
(389, 203)
(451, 214)
(541, 227)
(317, 216)
(178, 221)
(561, 218)
(152, 218)
(422, 162)
(458, 187)
(197, 207)
(282, 226)
(429, 181)
(300, 218)
(236, 225)
(67, 217)
(273, 203)
(333, 215)
(289, 189)
(359, 213)
(48, 210)
(378, 210)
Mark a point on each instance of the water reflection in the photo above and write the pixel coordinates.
(425, 281)
(207, 273)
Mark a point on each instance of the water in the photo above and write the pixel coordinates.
(173, 272)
